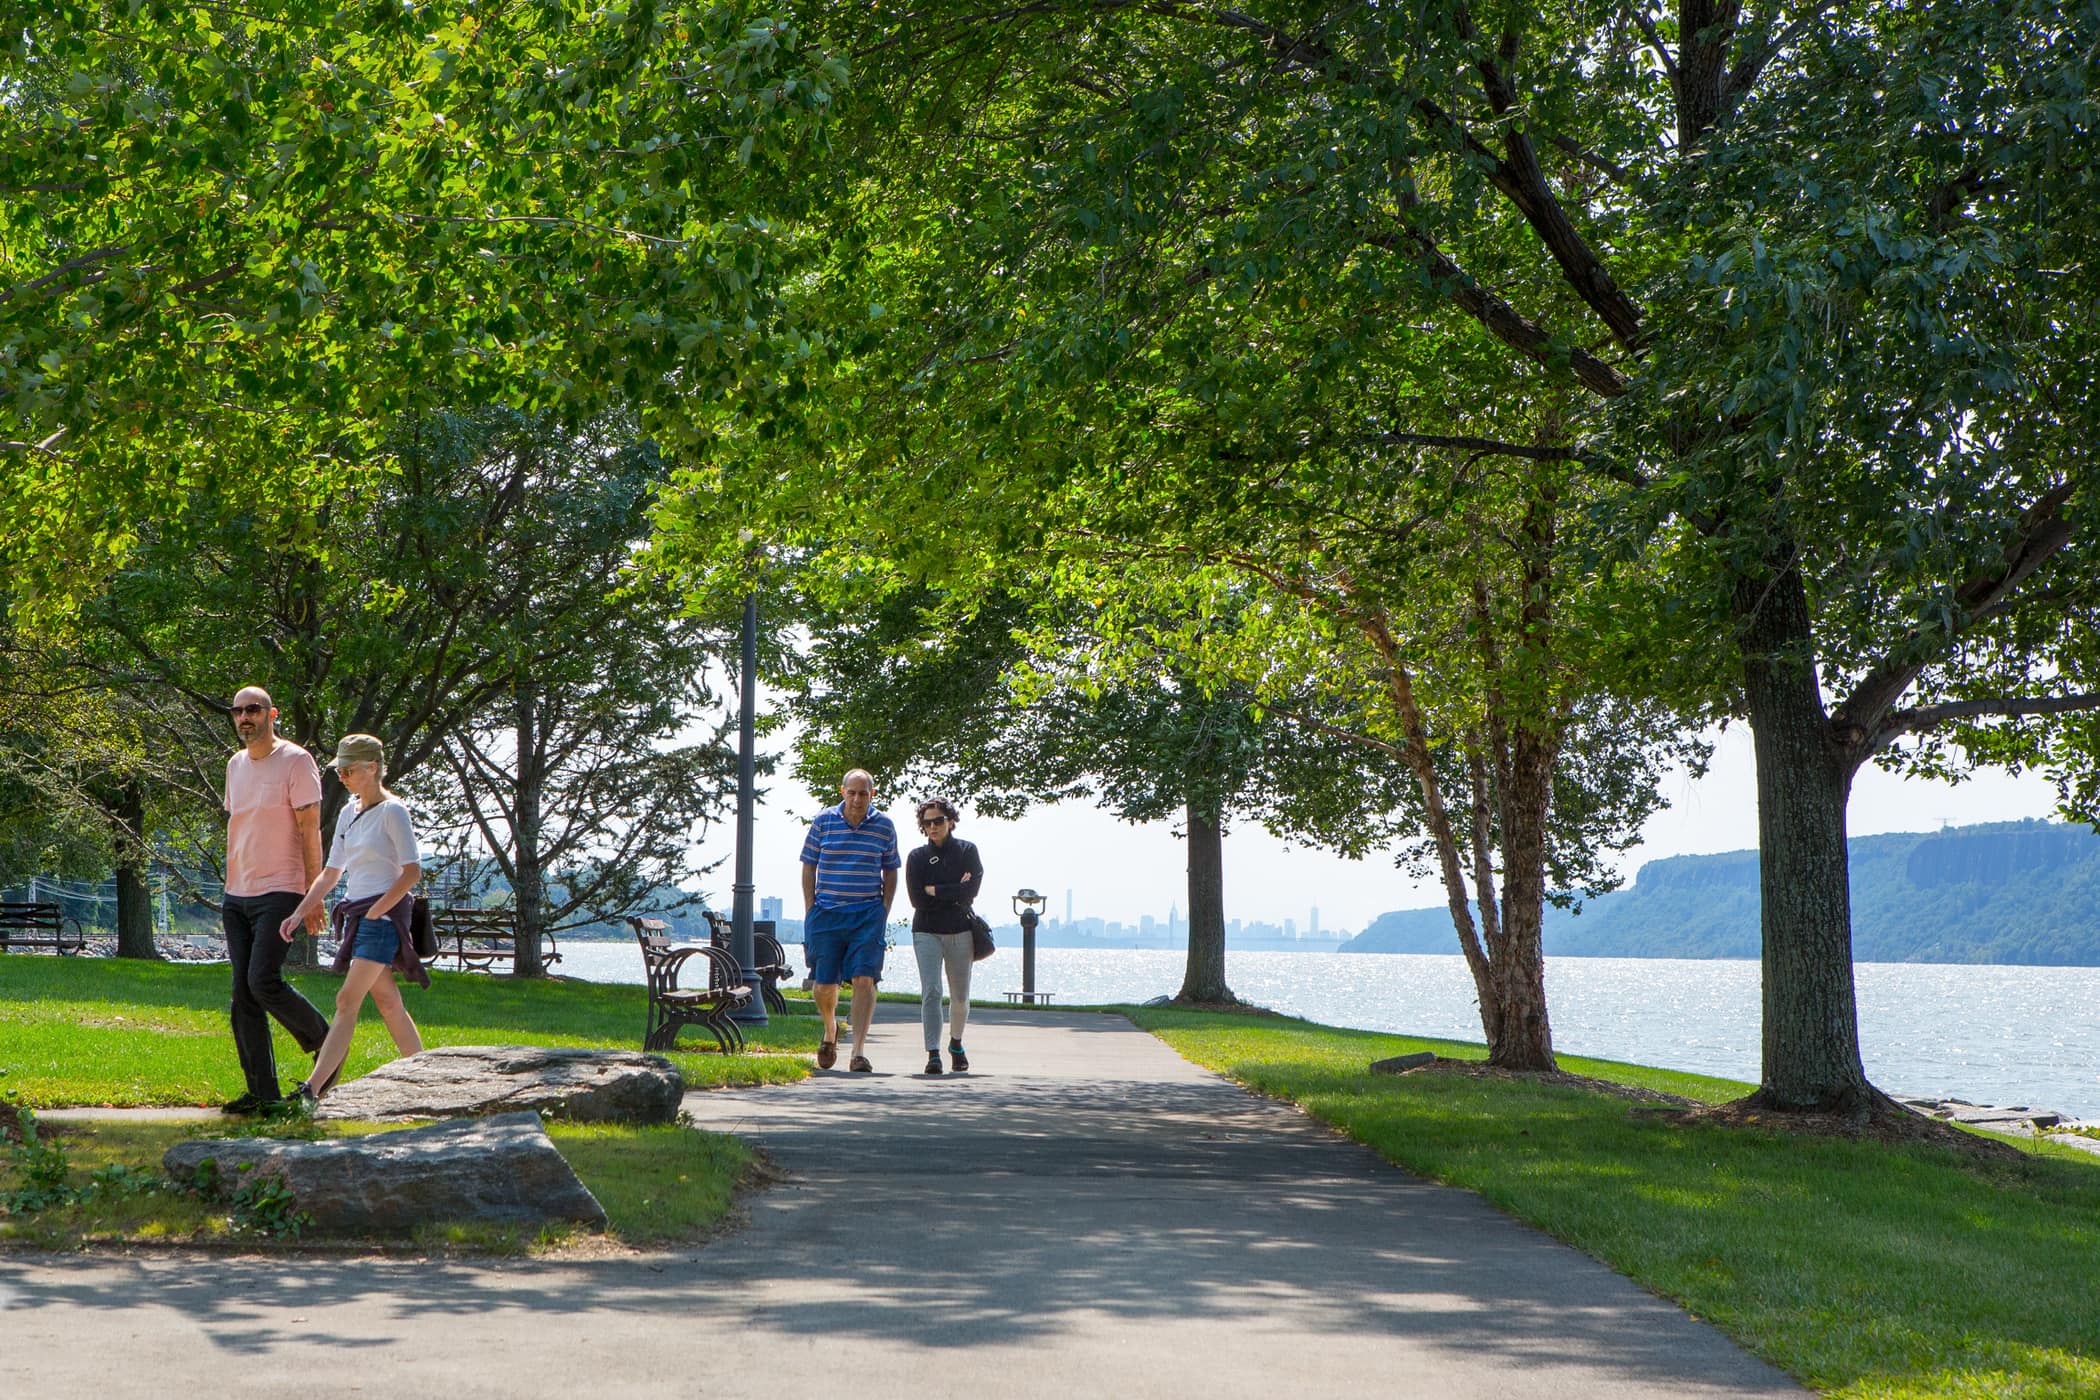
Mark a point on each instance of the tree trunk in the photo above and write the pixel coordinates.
(1484, 895)
(1527, 743)
(1524, 1038)
(134, 896)
(528, 882)
(303, 673)
(1415, 752)
(1205, 979)
(1811, 1022)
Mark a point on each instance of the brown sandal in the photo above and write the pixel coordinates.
(860, 1065)
(827, 1054)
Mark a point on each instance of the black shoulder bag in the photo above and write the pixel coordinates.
(981, 945)
(420, 932)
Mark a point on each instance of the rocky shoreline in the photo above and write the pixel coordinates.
(2017, 1119)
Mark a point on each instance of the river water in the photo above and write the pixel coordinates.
(2025, 1036)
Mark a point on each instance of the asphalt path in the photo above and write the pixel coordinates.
(1085, 1213)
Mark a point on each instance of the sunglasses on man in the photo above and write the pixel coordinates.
(241, 711)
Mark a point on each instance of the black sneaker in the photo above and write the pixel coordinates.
(933, 1062)
(248, 1106)
(955, 1053)
(300, 1103)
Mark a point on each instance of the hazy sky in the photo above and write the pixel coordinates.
(1119, 871)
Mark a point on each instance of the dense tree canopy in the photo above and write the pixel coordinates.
(237, 247)
(1790, 306)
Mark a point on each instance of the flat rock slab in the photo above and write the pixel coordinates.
(464, 1081)
(502, 1170)
(1401, 1064)
(2017, 1118)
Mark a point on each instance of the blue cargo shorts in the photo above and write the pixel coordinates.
(843, 942)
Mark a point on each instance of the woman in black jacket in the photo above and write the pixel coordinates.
(941, 878)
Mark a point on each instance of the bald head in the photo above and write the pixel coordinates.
(856, 795)
(254, 719)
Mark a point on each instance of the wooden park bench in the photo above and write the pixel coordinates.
(769, 956)
(671, 1006)
(1030, 998)
(38, 925)
(773, 966)
(483, 940)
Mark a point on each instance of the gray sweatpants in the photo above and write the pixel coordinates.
(933, 950)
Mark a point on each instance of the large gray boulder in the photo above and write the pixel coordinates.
(460, 1081)
(500, 1170)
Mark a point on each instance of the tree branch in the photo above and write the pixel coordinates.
(1925, 717)
(1748, 68)
(1353, 736)
(2043, 532)
(1520, 177)
(1502, 320)
(1619, 173)
(1655, 40)
(1487, 446)
(84, 260)
(43, 447)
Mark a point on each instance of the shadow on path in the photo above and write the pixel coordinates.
(1090, 1213)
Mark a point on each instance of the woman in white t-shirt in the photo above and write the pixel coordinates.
(375, 851)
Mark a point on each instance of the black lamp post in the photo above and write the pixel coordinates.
(742, 946)
(1029, 905)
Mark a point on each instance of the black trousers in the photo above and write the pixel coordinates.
(259, 989)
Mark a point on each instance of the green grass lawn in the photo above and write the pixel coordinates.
(1866, 1270)
(115, 1031)
(660, 1184)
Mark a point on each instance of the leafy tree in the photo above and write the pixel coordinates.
(574, 778)
(88, 785)
(1789, 301)
(479, 584)
(1426, 599)
(961, 705)
(235, 249)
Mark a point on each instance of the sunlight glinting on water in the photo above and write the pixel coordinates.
(2016, 1036)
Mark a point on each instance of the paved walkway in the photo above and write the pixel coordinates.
(1087, 1214)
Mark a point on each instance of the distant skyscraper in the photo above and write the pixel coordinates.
(1312, 929)
(1068, 906)
(1173, 917)
(1290, 928)
(770, 908)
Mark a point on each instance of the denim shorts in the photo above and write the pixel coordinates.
(377, 941)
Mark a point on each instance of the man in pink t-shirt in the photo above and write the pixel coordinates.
(273, 852)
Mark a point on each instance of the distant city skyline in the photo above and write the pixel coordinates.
(1176, 928)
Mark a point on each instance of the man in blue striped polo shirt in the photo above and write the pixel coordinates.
(849, 878)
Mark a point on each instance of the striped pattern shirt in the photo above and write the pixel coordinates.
(849, 859)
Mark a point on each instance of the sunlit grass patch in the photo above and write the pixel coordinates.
(660, 1184)
(130, 1034)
